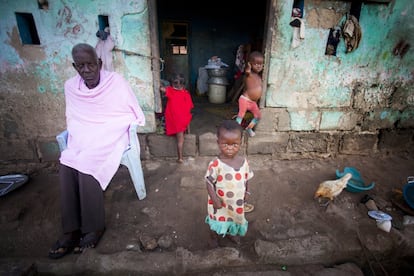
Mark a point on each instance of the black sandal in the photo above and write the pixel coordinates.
(65, 245)
(62, 248)
(89, 240)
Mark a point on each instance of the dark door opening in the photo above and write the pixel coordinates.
(174, 48)
(211, 29)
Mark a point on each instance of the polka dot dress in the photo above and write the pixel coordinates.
(230, 186)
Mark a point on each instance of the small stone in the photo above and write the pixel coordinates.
(149, 243)
(165, 242)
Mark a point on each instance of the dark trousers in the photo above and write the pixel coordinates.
(82, 201)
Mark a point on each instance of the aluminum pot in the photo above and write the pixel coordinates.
(217, 72)
(218, 80)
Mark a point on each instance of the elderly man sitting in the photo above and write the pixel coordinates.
(100, 106)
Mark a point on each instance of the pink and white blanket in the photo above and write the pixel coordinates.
(98, 120)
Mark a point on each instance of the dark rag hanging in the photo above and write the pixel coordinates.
(333, 40)
(102, 34)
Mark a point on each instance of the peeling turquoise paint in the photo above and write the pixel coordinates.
(384, 115)
(49, 78)
(406, 118)
(388, 117)
(304, 121)
(305, 78)
(135, 31)
(301, 79)
(331, 120)
(41, 89)
(63, 25)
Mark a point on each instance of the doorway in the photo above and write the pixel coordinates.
(174, 48)
(192, 32)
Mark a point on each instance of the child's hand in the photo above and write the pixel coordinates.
(217, 204)
(246, 196)
(248, 68)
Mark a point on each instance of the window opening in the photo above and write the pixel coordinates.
(27, 28)
(177, 41)
(43, 4)
(297, 9)
(355, 9)
(177, 46)
(103, 21)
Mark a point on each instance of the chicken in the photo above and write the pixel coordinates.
(332, 188)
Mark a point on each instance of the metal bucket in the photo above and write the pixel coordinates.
(216, 93)
(218, 80)
(217, 72)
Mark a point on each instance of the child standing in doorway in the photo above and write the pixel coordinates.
(178, 111)
(252, 91)
(227, 186)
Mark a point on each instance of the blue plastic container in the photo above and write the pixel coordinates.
(356, 184)
(408, 192)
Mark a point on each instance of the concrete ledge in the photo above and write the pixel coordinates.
(47, 150)
(361, 144)
(166, 146)
(308, 142)
(396, 141)
(264, 143)
(208, 144)
(283, 145)
(17, 149)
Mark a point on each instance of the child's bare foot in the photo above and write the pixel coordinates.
(251, 125)
(213, 242)
(250, 132)
(234, 239)
(180, 161)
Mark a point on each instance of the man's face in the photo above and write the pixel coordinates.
(88, 67)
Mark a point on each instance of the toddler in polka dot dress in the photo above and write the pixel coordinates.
(227, 186)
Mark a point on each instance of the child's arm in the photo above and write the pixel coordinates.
(162, 89)
(211, 189)
(248, 69)
(247, 192)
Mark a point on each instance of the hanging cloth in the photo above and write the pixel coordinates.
(298, 31)
(351, 31)
(333, 40)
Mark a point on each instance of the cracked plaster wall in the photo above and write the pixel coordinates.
(32, 76)
(364, 90)
(370, 83)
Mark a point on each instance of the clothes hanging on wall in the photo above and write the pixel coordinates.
(333, 40)
(298, 25)
(351, 31)
(104, 48)
(240, 61)
(240, 58)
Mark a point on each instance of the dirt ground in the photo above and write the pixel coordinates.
(175, 207)
(172, 215)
